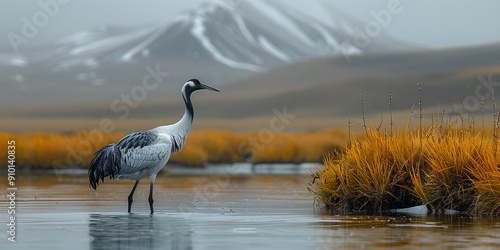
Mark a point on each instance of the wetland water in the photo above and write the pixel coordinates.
(221, 207)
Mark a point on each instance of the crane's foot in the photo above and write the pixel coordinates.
(151, 201)
(130, 203)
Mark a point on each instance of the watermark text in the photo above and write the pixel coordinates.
(11, 190)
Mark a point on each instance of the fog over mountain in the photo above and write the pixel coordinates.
(463, 23)
(219, 41)
(253, 35)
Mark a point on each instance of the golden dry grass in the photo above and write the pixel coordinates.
(455, 170)
(63, 150)
(299, 147)
(372, 174)
(53, 150)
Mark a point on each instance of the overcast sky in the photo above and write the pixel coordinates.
(428, 23)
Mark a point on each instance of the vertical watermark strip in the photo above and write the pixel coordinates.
(11, 189)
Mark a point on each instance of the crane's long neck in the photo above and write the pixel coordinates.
(180, 130)
(187, 118)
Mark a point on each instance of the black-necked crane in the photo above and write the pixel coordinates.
(141, 154)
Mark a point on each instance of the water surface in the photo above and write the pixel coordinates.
(221, 207)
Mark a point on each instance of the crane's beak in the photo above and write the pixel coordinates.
(203, 86)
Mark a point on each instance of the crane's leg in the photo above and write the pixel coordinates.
(152, 178)
(150, 199)
(131, 195)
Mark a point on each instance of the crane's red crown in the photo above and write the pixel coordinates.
(195, 81)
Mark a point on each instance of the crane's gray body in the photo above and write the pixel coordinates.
(143, 154)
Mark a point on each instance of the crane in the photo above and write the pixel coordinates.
(145, 153)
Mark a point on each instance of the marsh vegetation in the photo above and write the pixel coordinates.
(47, 150)
(447, 165)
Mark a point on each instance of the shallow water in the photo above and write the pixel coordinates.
(222, 207)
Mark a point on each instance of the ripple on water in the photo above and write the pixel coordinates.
(246, 212)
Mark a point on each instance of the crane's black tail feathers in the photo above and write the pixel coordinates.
(105, 163)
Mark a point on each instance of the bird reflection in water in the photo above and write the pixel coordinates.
(133, 231)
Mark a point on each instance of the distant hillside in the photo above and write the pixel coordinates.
(321, 92)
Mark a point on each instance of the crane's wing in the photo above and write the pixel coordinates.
(142, 150)
(134, 156)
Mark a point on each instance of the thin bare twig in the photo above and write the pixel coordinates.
(362, 98)
(390, 108)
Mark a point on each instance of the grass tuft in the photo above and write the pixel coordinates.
(452, 170)
(441, 168)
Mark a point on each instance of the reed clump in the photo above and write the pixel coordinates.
(443, 170)
(440, 167)
(373, 174)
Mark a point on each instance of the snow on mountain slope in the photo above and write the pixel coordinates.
(252, 35)
(9, 59)
(219, 41)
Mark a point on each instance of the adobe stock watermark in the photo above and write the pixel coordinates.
(379, 20)
(31, 26)
(203, 194)
(222, 8)
(120, 106)
(483, 91)
(265, 136)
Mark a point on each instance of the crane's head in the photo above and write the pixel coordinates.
(194, 84)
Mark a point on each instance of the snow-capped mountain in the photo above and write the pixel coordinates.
(250, 35)
(247, 35)
(218, 41)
